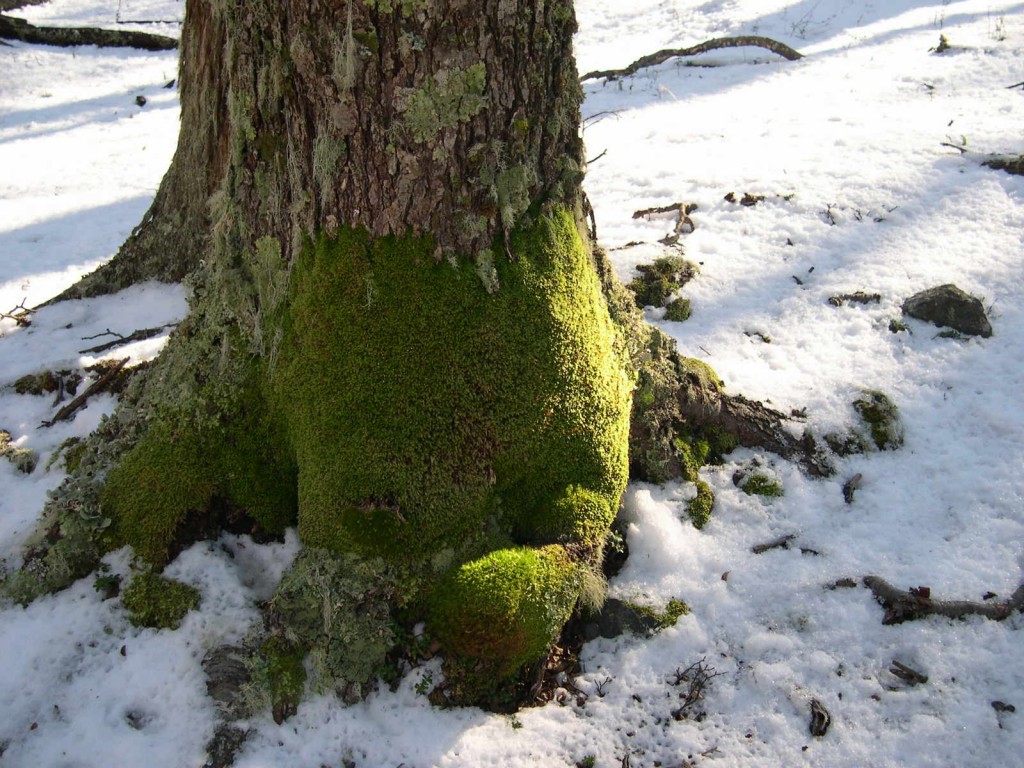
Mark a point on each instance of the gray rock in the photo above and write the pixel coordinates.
(949, 306)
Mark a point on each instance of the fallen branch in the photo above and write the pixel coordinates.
(140, 335)
(1016, 85)
(98, 386)
(684, 224)
(21, 315)
(12, 28)
(916, 603)
(664, 55)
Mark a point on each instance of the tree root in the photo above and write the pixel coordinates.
(754, 425)
(902, 605)
(12, 28)
(652, 60)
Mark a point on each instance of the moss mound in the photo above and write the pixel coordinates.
(158, 602)
(502, 611)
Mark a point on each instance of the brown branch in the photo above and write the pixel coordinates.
(904, 605)
(98, 386)
(12, 28)
(664, 55)
(20, 315)
(140, 335)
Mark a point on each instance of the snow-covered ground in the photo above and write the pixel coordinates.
(848, 135)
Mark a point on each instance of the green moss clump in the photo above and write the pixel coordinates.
(177, 472)
(158, 602)
(674, 610)
(412, 422)
(762, 485)
(700, 506)
(280, 671)
(661, 279)
(678, 310)
(502, 611)
(882, 418)
(577, 515)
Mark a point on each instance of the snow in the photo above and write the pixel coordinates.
(846, 145)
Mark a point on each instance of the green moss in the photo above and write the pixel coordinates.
(574, 515)
(502, 611)
(882, 418)
(437, 414)
(155, 601)
(674, 610)
(704, 376)
(700, 506)
(678, 310)
(283, 674)
(762, 485)
(412, 422)
(661, 279)
(177, 471)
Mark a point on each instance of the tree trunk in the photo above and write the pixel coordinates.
(397, 339)
(400, 339)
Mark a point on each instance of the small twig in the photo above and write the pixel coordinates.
(860, 297)
(908, 674)
(98, 386)
(698, 677)
(780, 543)
(140, 335)
(595, 159)
(664, 55)
(21, 315)
(951, 145)
(598, 116)
(1015, 85)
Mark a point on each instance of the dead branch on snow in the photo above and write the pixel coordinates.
(652, 60)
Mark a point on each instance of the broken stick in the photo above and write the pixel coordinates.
(97, 386)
